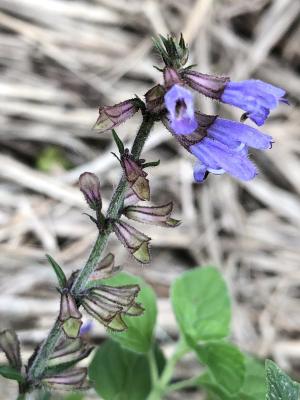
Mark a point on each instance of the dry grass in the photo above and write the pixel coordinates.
(59, 60)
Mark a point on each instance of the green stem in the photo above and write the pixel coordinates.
(161, 386)
(46, 349)
(153, 366)
(187, 383)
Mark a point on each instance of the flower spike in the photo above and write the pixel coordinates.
(135, 241)
(152, 215)
(112, 116)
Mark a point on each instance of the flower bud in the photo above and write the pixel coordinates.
(155, 99)
(135, 176)
(152, 215)
(107, 304)
(89, 185)
(112, 116)
(69, 315)
(135, 241)
(106, 268)
(10, 345)
(208, 85)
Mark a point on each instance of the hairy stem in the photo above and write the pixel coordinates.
(46, 349)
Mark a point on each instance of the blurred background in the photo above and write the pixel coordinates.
(60, 60)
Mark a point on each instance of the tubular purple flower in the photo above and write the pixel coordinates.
(255, 97)
(135, 241)
(152, 215)
(180, 105)
(89, 185)
(112, 116)
(221, 146)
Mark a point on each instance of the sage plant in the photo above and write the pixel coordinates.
(219, 146)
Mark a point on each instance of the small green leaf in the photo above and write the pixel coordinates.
(61, 277)
(279, 385)
(225, 362)
(11, 373)
(118, 142)
(118, 373)
(139, 335)
(254, 387)
(201, 305)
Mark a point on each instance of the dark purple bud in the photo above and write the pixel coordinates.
(135, 241)
(135, 176)
(112, 116)
(208, 85)
(73, 379)
(10, 345)
(107, 304)
(106, 268)
(152, 215)
(69, 315)
(89, 184)
(155, 99)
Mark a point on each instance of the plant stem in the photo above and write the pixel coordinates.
(46, 349)
(187, 383)
(161, 386)
(153, 366)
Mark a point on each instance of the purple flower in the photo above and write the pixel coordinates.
(224, 149)
(221, 145)
(255, 97)
(180, 105)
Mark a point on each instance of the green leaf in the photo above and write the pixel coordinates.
(201, 305)
(61, 277)
(118, 142)
(225, 362)
(139, 335)
(279, 385)
(11, 373)
(252, 389)
(120, 374)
